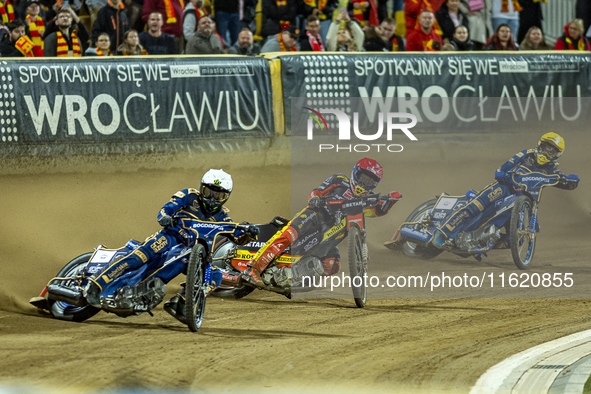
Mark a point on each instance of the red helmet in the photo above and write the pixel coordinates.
(366, 175)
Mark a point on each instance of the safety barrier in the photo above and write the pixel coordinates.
(145, 104)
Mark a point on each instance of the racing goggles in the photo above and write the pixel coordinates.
(212, 192)
(548, 150)
(365, 180)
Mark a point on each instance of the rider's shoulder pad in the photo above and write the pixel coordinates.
(192, 191)
(179, 194)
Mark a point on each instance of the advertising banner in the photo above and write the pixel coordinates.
(445, 91)
(134, 100)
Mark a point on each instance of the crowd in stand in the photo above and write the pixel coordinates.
(72, 28)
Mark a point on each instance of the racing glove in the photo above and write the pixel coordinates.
(569, 182)
(315, 202)
(503, 178)
(385, 206)
(167, 221)
(394, 196)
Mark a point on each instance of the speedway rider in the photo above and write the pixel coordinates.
(365, 176)
(543, 158)
(177, 217)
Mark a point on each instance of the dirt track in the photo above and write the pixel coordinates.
(266, 342)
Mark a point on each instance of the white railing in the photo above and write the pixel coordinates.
(557, 13)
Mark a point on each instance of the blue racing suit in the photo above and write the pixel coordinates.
(186, 207)
(500, 189)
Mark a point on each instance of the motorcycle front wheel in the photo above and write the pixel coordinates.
(196, 288)
(412, 249)
(64, 311)
(521, 237)
(357, 266)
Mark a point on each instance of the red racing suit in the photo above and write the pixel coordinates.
(301, 231)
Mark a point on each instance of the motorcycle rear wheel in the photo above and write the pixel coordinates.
(228, 292)
(64, 311)
(523, 241)
(357, 266)
(196, 288)
(415, 250)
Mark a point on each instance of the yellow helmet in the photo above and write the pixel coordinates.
(549, 148)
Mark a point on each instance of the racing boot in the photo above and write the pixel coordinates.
(176, 308)
(439, 239)
(273, 248)
(92, 292)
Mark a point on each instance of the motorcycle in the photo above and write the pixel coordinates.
(510, 223)
(140, 290)
(290, 271)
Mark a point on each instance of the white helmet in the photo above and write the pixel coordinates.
(216, 186)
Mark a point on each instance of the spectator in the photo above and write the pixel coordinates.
(323, 9)
(245, 44)
(424, 38)
(134, 9)
(502, 40)
(278, 15)
(285, 41)
(65, 42)
(449, 16)
(103, 46)
(205, 41)
(394, 43)
(75, 25)
(93, 7)
(172, 24)
(311, 41)
(344, 35)
(573, 39)
(461, 40)
(413, 9)
(374, 41)
(227, 19)
(193, 12)
(16, 44)
(448, 47)
(111, 19)
(154, 40)
(35, 25)
(479, 23)
(364, 11)
(529, 16)
(131, 45)
(505, 12)
(6, 11)
(534, 41)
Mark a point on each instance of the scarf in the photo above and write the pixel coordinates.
(320, 4)
(62, 45)
(169, 8)
(316, 45)
(7, 12)
(25, 46)
(282, 44)
(516, 6)
(101, 53)
(580, 45)
(395, 45)
(36, 30)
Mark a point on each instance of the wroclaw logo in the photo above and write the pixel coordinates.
(345, 124)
